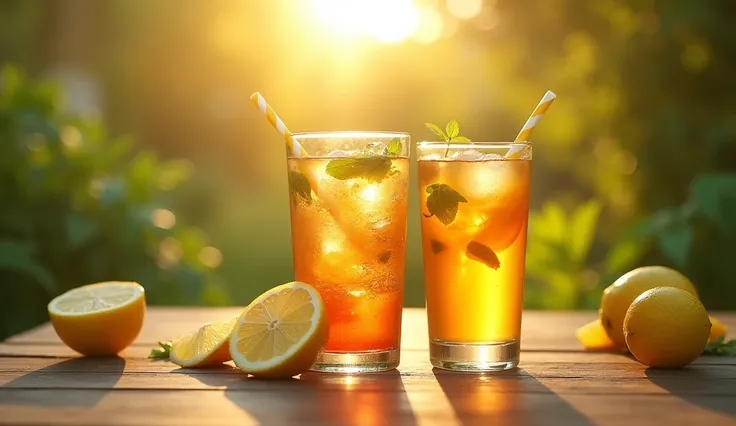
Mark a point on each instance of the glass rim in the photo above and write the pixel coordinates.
(468, 145)
(349, 134)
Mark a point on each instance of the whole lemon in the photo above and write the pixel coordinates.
(618, 296)
(666, 327)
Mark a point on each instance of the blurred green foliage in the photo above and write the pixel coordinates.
(80, 207)
(634, 164)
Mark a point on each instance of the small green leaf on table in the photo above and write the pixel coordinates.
(721, 347)
(162, 352)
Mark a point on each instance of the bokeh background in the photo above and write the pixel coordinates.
(129, 150)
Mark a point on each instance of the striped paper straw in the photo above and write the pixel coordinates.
(531, 123)
(293, 147)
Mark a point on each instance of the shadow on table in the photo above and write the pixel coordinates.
(317, 398)
(46, 385)
(699, 384)
(505, 398)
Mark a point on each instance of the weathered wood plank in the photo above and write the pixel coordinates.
(541, 330)
(401, 407)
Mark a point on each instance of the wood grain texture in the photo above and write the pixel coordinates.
(541, 330)
(43, 382)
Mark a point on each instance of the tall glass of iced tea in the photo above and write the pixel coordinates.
(475, 205)
(348, 224)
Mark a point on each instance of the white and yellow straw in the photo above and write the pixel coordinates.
(292, 145)
(531, 123)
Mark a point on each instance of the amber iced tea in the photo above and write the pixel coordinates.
(475, 206)
(348, 219)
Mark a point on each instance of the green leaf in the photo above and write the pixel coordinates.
(215, 295)
(161, 352)
(721, 347)
(79, 229)
(299, 185)
(174, 173)
(443, 202)
(714, 196)
(482, 253)
(437, 131)
(393, 148)
(549, 224)
(623, 255)
(460, 139)
(675, 243)
(20, 257)
(452, 129)
(373, 169)
(582, 229)
(437, 246)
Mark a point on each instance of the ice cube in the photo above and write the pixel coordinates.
(339, 153)
(431, 157)
(468, 154)
(487, 157)
(375, 148)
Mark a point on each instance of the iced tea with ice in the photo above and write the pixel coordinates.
(348, 222)
(475, 206)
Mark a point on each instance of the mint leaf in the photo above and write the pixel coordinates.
(162, 352)
(483, 254)
(436, 130)
(437, 246)
(393, 148)
(443, 202)
(384, 257)
(373, 169)
(453, 130)
(460, 139)
(299, 185)
(721, 347)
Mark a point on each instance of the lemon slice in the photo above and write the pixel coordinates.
(99, 319)
(593, 337)
(206, 346)
(281, 332)
(717, 330)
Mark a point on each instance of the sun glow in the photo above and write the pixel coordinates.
(389, 21)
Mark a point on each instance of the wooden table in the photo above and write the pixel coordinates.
(44, 382)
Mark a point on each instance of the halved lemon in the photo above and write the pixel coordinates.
(281, 332)
(718, 329)
(99, 319)
(210, 344)
(593, 337)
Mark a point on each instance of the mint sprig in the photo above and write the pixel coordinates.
(299, 186)
(373, 169)
(162, 352)
(721, 347)
(449, 135)
(442, 202)
(394, 148)
(483, 254)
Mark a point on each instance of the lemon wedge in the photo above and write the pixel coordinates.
(210, 344)
(281, 332)
(99, 319)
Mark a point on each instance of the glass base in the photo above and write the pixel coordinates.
(356, 362)
(478, 357)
